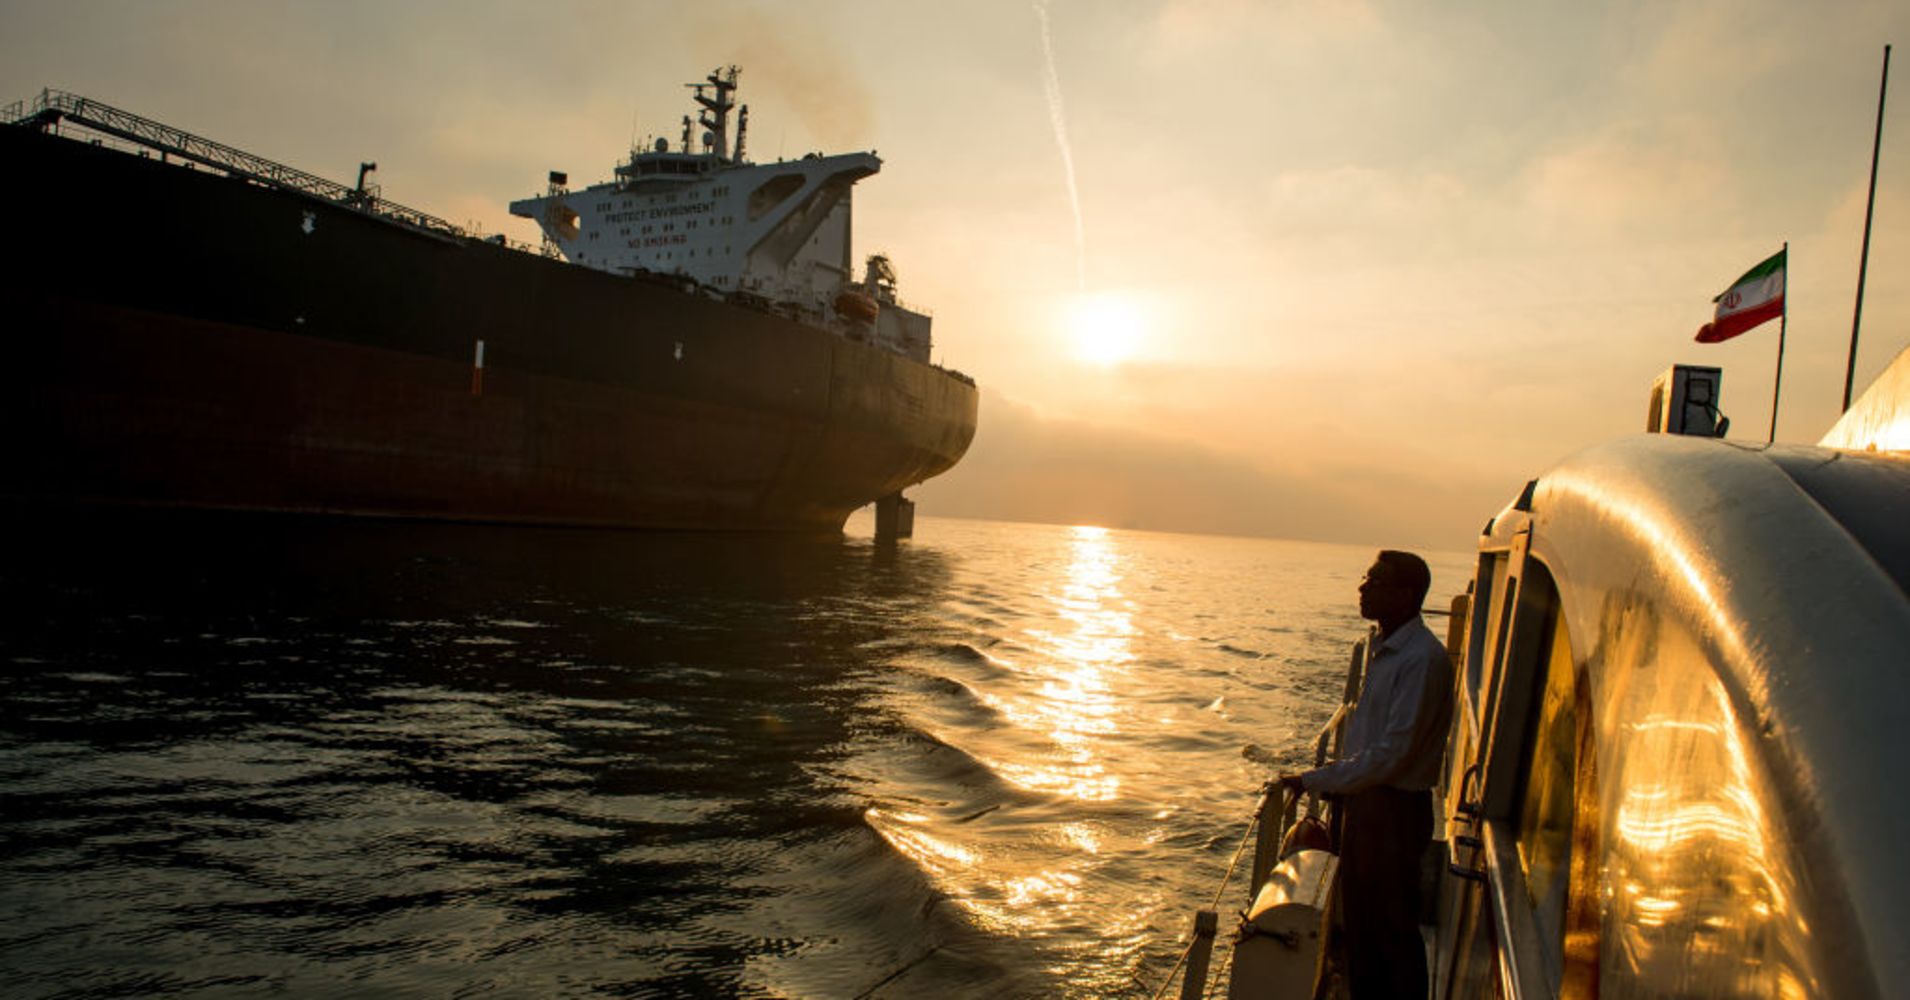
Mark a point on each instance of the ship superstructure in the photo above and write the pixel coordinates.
(773, 234)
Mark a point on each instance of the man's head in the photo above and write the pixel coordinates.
(1394, 588)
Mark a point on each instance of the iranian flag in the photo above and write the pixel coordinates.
(1752, 299)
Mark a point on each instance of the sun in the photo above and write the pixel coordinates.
(1106, 327)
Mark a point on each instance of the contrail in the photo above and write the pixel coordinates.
(1059, 118)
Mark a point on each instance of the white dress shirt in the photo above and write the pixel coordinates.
(1397, 737)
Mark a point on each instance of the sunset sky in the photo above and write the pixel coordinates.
(1343, 271)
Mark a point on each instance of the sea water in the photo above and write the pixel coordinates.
(247, 755)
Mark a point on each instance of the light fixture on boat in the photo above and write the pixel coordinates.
(1684, 400)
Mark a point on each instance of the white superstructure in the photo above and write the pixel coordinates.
(773, 234)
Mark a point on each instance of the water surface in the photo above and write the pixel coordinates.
(250, 755)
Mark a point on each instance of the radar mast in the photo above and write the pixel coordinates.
(715, 117)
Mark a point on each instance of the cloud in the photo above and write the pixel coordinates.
(1356, 196)
(806, 68)
(1633, 174)
(1688, 50)
(1183, 25)
(1355, 214)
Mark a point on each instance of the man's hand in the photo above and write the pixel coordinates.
(1291, 782)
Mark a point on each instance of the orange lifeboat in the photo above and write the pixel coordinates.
(856, 305)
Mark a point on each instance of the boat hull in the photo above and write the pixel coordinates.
(247, 347)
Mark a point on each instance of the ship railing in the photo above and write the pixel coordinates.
(902, 303)
(102, 140)
(54, 106)
(13, 113)
(501, 240)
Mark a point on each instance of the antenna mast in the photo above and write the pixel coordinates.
(715, 116)
(1863, 260)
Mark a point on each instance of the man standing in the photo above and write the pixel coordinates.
(1394, 747)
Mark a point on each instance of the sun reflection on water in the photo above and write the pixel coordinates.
(904, 831)
(1076, 705)
(1067, 709)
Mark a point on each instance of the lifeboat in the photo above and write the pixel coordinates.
(855, 305)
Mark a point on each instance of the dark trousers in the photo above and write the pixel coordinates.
(1385, 832)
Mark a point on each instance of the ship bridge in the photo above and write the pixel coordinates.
(779, 230)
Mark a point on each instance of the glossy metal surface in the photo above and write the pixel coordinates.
(1744, 658)
(1880, 419)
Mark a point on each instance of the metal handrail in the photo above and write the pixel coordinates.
(54, 106)
(1335, 728)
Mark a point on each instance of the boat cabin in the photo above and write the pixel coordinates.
(1682, 701)
(1683, 687)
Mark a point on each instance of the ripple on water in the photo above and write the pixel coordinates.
(299, 756)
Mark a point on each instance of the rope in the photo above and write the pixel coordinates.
(1245, 838)
(1182, 960)
(1252, 821)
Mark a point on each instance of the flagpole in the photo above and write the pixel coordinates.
(1863, 261)
(1783, 320)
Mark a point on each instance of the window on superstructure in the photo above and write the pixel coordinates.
(773, 192)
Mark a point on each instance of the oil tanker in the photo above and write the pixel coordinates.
(196, 326)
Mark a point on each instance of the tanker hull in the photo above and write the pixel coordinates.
(185, 338)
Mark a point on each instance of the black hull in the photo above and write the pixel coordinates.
(185, 338)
